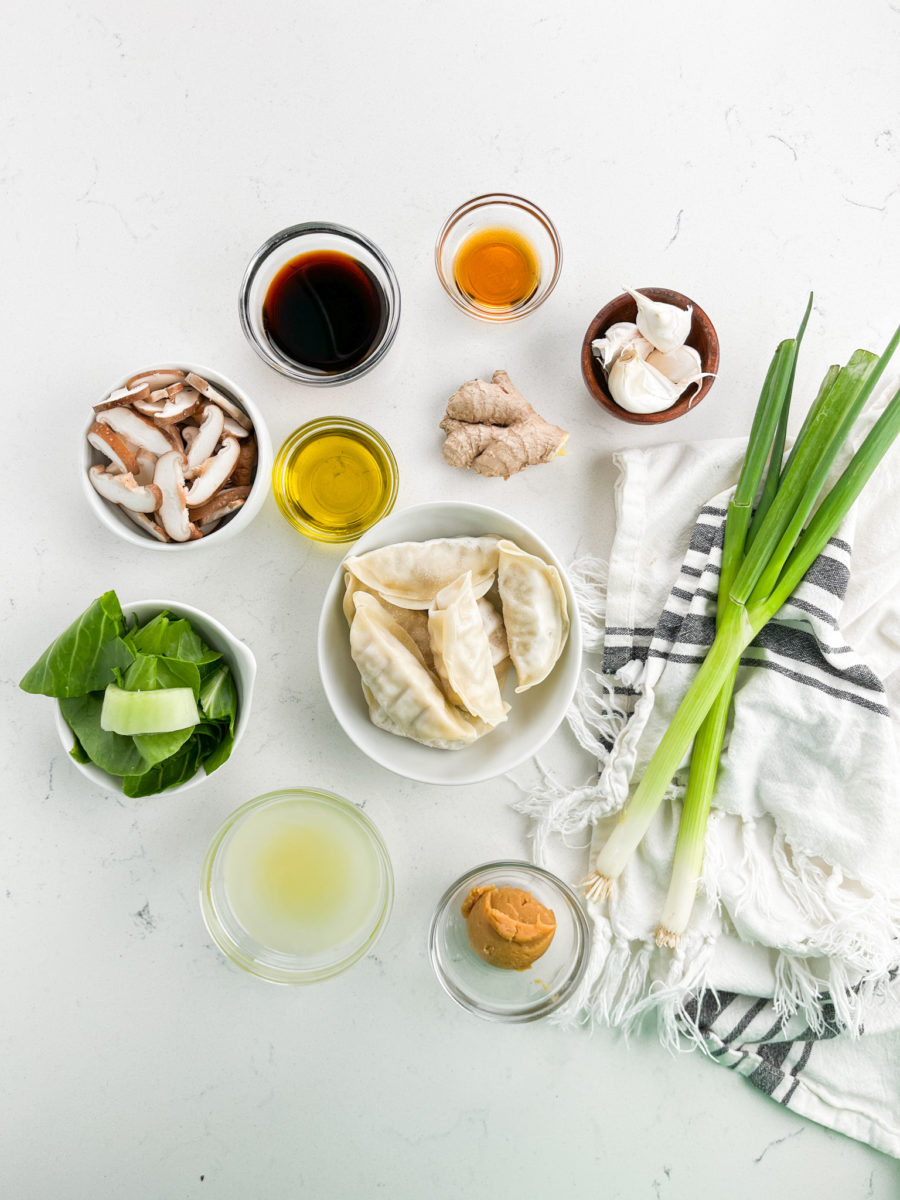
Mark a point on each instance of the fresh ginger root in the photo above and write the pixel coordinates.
(492, 428)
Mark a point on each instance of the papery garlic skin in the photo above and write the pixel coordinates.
(665, 326)
(638, 387)
(615, 339)
(682, 365)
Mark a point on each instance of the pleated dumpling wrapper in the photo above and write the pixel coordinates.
(410, 574)
(413, 621)
(402, 695)
(462, 652)
(535, 613)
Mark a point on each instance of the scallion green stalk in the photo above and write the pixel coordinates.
(748, 609)
(767, 438)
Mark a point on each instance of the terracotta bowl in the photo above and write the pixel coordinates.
(702, 337)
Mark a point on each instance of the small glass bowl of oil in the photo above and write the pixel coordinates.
(335, 478)
(296, 886)
(498, 257)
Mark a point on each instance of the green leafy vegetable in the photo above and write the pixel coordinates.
(166, 652)
(157, 747)
(149, 673)
(168, 636)
(82, 659)
(79, 753)
(221, 750)
(111, 752)
(218, 697)
(181, 767)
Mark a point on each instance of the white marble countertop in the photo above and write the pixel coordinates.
(740, 155)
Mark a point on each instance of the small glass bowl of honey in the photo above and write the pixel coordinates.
(320, 303)
(498, 257)
(335, 478)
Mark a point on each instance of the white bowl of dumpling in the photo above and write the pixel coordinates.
(537, 686)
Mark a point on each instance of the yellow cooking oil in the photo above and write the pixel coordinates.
(302, 877)
(335, 478)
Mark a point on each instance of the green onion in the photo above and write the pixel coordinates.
(767, 438)
(763, 561)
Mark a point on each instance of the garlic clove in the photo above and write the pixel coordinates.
(665, 325)
(681, 365)
(615, 339)
(638, 387)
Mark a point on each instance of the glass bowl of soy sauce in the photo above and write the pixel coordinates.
(320, 303)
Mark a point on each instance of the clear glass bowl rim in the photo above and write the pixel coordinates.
(537, 1009)
(299, 974)
(483, 201)
(283, 365)
(303, 434)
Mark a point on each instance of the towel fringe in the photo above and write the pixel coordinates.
(576, 1011)
(629, 982)
(851, 946)
(589, 579)
(554, 807)
(595, 716)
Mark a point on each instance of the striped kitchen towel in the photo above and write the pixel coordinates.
(788, 973)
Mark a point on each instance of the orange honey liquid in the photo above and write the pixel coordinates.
(496, 268)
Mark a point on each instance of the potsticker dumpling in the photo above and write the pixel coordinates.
(397, 684)
(495, 630)
(410, 574)
(413, 621)
(462, 652)
(535, 613)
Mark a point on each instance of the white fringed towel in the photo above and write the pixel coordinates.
(794, 936)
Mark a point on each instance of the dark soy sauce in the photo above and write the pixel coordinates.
(325, 311)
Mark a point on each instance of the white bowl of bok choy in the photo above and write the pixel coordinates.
(124, 678)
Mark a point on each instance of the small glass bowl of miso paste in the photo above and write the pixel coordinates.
(335, 478)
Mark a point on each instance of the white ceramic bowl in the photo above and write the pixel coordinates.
(238, 656)
(534, 715)
(111, 514)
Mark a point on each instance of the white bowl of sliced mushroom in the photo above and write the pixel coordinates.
(398, 656)
(175, 457)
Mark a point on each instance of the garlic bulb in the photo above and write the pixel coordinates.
(638, 387)
(664, 325)
(615, 339)
(682, 365)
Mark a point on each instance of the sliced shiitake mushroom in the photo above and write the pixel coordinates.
(226, 501)
(146, 465)
(173, 510)
(211, 393)
(127, 395)
(157, 379)
(113, 447)
(122, 488)
(234, 430)
(163, 427)
(202, 444)
(147, 524)
(245, 467)
(210, 475)
(181, 404)
(137, 429)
